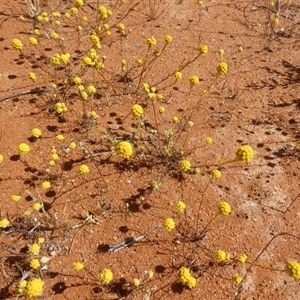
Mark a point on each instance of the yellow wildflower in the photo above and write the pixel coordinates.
(184, 165)
(34, 249)
(35, 263)
(78, 266)
(83, 169)
(17, 44)
(36, 132)
(169, 224)
(4, 223)
(124, 149)
(105, 276)
(224, 208)
(244, 153)
(34, 287)
(137, 110)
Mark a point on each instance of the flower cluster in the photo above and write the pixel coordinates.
(194, 80)
(4, 223)
(124, 149)
(78, 266)
(83, 169)
(243, 258)
(203, 49)
(168, 39)
(186, 278)
(151, 41)
(224, 208)
(244, 153)
(23, 148)
(36, 132)
(169, 224)
(184, 165)
(17, 44)
(222, 256)
(106, 276)
(45, 185)
(58, 59)
(178, 75)
(61, 107)
(35, 263)
(293, 269)
(237, 278)
(216, 174)
(34, 287)
(180, 205)
(222, 68)
(137, 110)
(34, 249)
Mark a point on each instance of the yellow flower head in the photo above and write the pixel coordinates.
(203, 49)
(83, 169)
(168, 39)
(45, 185)
(60, 137)
(34, 287)
(222, 256)
(137, 110)
(21, 286)
(150, 274)
(209, 140)
(23, 148)
(222, 68)
(37, 206)
(161, 110)
(41, 240)
(17, 44)
(36, 31)
(54, 35)
(72, 145)
(1, 158)
(180, 205)
(194, 80)
(186, 278)
(64, 58)
(216, 174)
(121, 27)
(34, 249)
(91, 89)
(175, 119)
(169, 224)
(103, 12)
(31, 76)
(136, 282)
(244, 153)
(151, 41)
(35, 263)
(36, 132)
(33, 41)
(78, 3)
(16, 198)
(61, 107)
(78, 266)
(184, 165)
(124, 149)
(243, 258)
(237, 278)
(74, 10)
(77, 80)
(293, 269)
(55, 59)
(224, 208)
(4, 223)
(178, 75)
(106, 276)
(95, 40)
